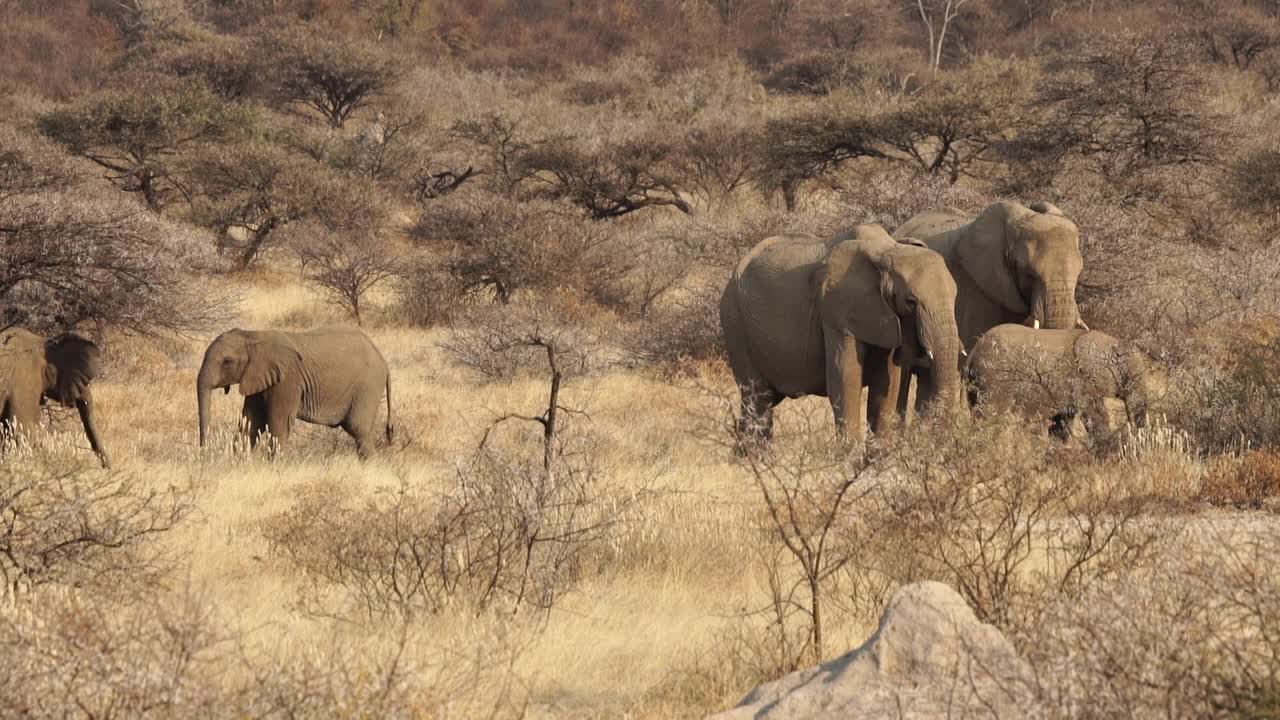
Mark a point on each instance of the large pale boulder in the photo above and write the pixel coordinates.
(930, 658)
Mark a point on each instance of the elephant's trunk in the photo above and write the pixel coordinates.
(941, 338)
(1053, 307)
(204, 388)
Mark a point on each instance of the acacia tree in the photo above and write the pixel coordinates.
(1130, 107)
(68, 257)
(331, 77)
(252, 190)
(136, 134)
(346, 268)
(609, 182)
(801, 148)
(957, 120)
(1234, 33)
(501, 139)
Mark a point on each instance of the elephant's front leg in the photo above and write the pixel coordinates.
(884, 378)
(844, 382)
(282, 408)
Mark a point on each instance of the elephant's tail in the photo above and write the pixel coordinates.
(391, 428)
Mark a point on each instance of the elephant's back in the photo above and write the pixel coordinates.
(932, 225)
(343, 351)
(774, 304)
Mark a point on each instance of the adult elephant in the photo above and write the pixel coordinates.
(804, 316)
(1011, 264)
(34, 369)
(330, 376)
(1057, 374)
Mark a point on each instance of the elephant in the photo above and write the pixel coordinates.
(34, 369)
(330, 376)
(1056, 374)
(1011, 264)
(803, 316)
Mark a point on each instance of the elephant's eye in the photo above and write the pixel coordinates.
(911, 304)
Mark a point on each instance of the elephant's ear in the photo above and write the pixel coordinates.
(71, 362)
(855, 294)
(986, 249)
(265, 368)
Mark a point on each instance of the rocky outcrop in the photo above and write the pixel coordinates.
(930, 657)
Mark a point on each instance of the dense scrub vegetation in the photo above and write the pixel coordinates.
(560, 188)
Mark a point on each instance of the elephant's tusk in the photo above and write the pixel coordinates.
(930, 354)
(964, 353)
(1035, 324)
(1080, 324)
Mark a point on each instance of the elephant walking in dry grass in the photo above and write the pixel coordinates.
(1055, 375)
(332, 376)
(34, 369)
(804, 316)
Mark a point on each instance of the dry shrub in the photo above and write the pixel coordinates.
(817, 73)
(174, 656)
(1245, 482)
(1191, 634)
(66, 525)
(498, 343)
(68, 655)
(1230, 405)
(891, 195)
(502, 534)
(1003, 514)
(491, 243)
(683, 334)
(428, 295)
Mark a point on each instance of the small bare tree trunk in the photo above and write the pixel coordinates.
(553, 404)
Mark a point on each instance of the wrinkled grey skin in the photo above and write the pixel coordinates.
(331, 376)
(34, 369)
(804, 316)
(1057, 374)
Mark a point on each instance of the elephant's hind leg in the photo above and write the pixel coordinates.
(365, 439)
(255, 418)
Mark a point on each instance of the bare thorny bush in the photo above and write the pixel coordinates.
(69, 526)
(508, 531)
(1009, 518)
(1190, 633)
(174, 655)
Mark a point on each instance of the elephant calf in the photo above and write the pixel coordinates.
(1055, 374)
(34, 369)
(330, 376)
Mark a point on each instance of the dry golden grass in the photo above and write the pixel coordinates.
(683, 567)
(655, 629)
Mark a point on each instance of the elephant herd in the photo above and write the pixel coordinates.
(330, 376)
(944, 300)
(990, 299)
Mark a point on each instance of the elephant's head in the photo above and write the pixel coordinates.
(71, 363)
(238, 357)
(1028, 260)
(893, 295)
